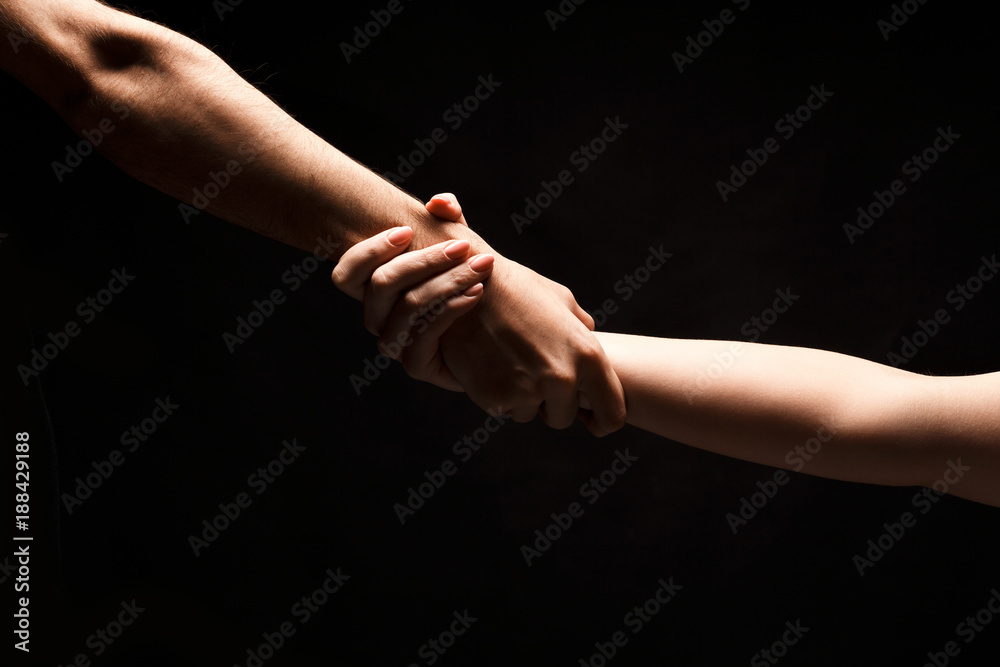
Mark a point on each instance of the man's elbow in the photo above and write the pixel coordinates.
(73, 57)
(113, 61)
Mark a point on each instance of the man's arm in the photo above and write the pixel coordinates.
(180, 113)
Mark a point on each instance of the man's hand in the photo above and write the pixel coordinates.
(545, 360)
(182, 116)
(527, 348)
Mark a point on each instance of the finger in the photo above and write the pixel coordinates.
(603, 391)
(582, 315)
(446, 207)
(522, 410)
(392, 279)
(522, 413)
(559, 409)
(412, 315)
(357, 265)
(577, 311)
(422, 358)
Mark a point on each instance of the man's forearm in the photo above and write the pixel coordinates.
(180, 114)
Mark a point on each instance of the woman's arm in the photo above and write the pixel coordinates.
(814, 411)
(807, 410)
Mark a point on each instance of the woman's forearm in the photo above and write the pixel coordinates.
(819, 412)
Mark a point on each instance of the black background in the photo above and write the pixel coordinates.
(655, 185)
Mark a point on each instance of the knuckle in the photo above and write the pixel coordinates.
(412, 300)
(591, 360)
(433, 258)
(381, 279)
(523, 386)
(558, 421)
(339, 276)
(523, 416)
(564, 293)
(588, 346)
(435, 305)
(560, 379)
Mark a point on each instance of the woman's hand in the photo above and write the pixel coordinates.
(411, 299)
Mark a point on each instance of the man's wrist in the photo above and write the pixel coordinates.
(429, 230)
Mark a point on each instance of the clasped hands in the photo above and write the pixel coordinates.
(515, 341)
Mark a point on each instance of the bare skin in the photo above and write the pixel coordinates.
(813, 411)
(180, 114)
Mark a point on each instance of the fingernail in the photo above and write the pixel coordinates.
(444, 196)
(456, 249)
(481, 263)
(475, 290)
(399, 236)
